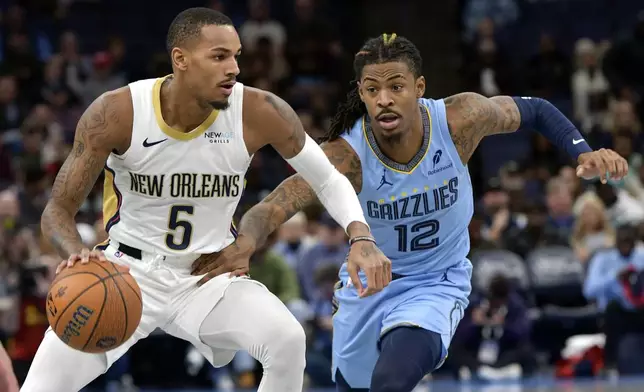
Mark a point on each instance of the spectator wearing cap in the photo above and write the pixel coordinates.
(101, 80)
(614, 282)
(331, 250)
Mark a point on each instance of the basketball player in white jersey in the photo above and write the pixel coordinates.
(175, 151)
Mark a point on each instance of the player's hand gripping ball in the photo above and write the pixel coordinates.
(95, 305)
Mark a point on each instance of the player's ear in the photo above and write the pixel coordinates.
(420, 87)
(358, 85)
(179, 59)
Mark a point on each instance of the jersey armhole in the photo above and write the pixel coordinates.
(346, 136)
(445, 134)
(124, 155)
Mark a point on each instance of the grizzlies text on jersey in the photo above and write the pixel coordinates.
(418, 212)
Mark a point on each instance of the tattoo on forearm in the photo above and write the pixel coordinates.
(297, 135)
(77, 176)
(472, 116)
(295, 194)
(286, 200)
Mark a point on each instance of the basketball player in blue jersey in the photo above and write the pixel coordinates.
(406, 157)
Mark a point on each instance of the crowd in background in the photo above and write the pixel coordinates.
(534, 217)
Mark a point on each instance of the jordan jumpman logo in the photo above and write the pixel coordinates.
(383, 180)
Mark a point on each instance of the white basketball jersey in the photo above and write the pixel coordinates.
(171, 192)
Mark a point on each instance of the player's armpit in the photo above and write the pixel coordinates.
(276, 123)
(104, 126)
(471, 117)
(295, 194)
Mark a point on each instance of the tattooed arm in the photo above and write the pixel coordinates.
(317, 177)
(294, 194)
(105, 126)
(471, 117)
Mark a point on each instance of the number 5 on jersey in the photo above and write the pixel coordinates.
(175, 222)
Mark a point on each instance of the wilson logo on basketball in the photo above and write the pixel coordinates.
(61, 291)
(106, 342)
(77, 322)
(51, 306)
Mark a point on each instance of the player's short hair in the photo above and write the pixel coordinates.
(188, 24)
(383, 49)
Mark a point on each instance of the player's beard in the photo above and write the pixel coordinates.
(392, 139)
(219, 105)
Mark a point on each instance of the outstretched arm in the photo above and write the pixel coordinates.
(99, 131)
(472, 116)
(294, 194)
(327, 174)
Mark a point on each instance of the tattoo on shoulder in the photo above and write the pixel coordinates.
(342, 156)
(471, 117)
(85, 162)
(297, 135)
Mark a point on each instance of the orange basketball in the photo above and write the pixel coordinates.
(94, 307)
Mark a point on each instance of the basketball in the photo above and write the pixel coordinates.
(94, 307)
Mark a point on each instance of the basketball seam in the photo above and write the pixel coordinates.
(127, 284)
(98, 317)
(122, 298)
(73, 274)
(131, 288)
(71, 301)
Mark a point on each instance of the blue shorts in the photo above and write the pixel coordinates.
(434, 302)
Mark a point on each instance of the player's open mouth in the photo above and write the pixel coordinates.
(388, 121)
(227, 87)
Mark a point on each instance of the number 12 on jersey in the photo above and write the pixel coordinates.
(175, 222)
(420, 234)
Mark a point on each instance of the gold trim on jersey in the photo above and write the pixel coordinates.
(112, 200)
(168, 130)
(418, 158)
(102, 245)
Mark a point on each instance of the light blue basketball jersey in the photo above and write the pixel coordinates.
(419, 212)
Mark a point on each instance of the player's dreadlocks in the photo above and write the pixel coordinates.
(384, 49)
(188, 24)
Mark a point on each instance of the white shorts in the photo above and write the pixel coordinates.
(172, 301)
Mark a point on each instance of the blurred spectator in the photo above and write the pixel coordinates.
(77, 67)
(493, 339)
(592, 230)
(331, 250)
(621, 207)
(99, 80)
(625, 60)
(589, 86)
(318, 358)
(609, 282)
(272, 271)
(12, 110)
(501, 12)
(560, 221)
(261, 25)
(293, 241)
(488, 69)
(313, 47)
(548, 72)
(635, 183)
(496, 212)
(117, 50)
(545, 161)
